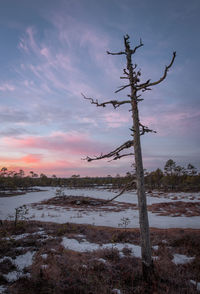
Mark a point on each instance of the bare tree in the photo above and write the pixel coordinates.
(132, 75)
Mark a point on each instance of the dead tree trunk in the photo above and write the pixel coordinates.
(138, 129)
(143, 216)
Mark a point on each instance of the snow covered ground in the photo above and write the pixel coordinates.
(84, 246)
(100, 218)
(21, 262)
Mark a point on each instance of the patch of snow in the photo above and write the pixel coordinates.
(102, 260)
(12, 276)
(15, 275)
(197, 284)
(22, 236)
(155, 247)
(2, 289)
(40, 232)
(24, 260)
(44, 256)
(73, 244)
(6, 257)
(84, 246)
(21, 262)
(182, 259)
(135, 249)
(17, 237)
(116, 291)
(80, 236)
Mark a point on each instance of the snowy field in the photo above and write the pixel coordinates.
(38, 248)
(101, 218)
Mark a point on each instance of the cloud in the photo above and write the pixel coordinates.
(27, 42)
(10, 114)
(13, 132)
(72, 143)
(174, 121)
(32, 158)
(37, 163)
(116, 119)
(75, 34)
(7, 87)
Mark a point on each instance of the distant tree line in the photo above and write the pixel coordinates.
(172, 178)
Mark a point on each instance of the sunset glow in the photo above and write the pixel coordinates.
(53, 51)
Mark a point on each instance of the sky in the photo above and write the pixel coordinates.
(52, 51)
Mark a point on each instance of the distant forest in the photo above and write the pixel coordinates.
(172, 178)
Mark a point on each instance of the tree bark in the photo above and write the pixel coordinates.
(147, 263)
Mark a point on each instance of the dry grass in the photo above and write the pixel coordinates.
(65, 271)
(85, 203)
(178, 208)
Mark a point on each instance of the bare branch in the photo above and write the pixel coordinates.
(140, 45)
(138, 99)
(115, 153)
(118, 156)
(114, 103)
(146, 89)
(141, 86)
(122, 88)
(148, 84)
(118, 53)
(145, 129)
(125, 72)
(127, 187)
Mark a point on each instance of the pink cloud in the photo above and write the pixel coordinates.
(32, 162)
(45, 52)
(72, 143)
(72, 31)
(32, 158)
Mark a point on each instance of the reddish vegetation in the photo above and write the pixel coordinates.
(71, 272)
(178, 208)
(87, 203)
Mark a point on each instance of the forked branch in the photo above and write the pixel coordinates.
(140, 45)
(127, 45)
(145, 129)
(148, 84)
(115, 153)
